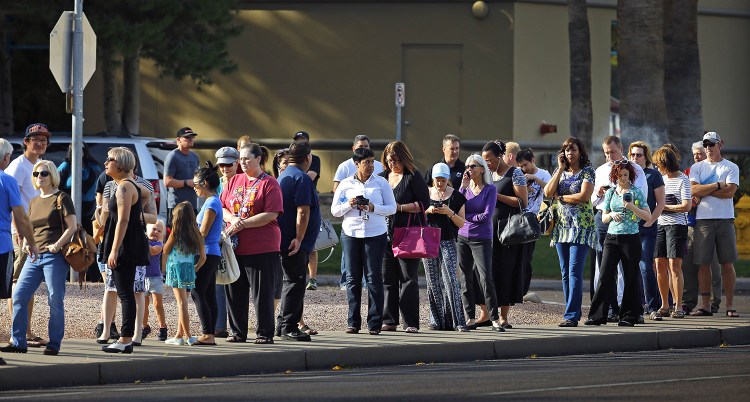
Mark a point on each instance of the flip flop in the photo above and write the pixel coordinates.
(35, 342)
(701, 313)
(732, 314)
(306, 329)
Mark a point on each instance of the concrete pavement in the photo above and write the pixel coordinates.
(82, 363)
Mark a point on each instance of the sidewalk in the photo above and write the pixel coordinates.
(81, 361)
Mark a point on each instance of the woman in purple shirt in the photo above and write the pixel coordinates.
(475, 241)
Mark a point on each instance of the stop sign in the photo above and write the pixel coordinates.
(61, 51)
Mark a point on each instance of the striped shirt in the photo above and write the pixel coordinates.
(675, 190)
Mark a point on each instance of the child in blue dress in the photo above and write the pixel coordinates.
(178, 258)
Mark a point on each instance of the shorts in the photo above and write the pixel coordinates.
(714, 235)
(154, 285)
(671, 241)
(139, 286)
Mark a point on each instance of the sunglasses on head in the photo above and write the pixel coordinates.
(43, 173)
(621, 162)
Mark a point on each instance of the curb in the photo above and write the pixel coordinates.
(82, 364)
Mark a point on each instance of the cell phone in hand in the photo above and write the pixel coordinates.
(627, 197)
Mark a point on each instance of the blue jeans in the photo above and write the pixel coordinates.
(364, 256)
(572, 257)
(648, 276)
(53, 269)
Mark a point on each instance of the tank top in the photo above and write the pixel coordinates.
(135, 228)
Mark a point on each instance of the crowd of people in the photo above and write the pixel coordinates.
(638, 217)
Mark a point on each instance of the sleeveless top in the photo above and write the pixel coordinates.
(504, 186)
(135, 228)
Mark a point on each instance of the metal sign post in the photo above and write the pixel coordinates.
(400, 103)
(73, 54)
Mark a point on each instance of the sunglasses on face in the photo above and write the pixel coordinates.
(109, 159)
(621, 162)
(42, 173)
(472, 166)
(708, 144)
(636, 155)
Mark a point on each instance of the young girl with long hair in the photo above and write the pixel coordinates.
(178, 258)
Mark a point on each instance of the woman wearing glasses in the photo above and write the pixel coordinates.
(475, 244)
(364, 200)
(52, 216)
(574, 233)
(400, 276)
(251, 203)
(623, 206)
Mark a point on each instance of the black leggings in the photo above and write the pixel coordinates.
(204, 293)
(124, 277)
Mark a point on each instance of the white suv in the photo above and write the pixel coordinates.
(149, 153)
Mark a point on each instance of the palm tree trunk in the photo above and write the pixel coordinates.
(579, 38)
(131, 94)
(6, 92)
(112, 111)
(640, 54)
(682, 75)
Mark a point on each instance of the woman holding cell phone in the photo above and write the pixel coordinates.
(624, 206)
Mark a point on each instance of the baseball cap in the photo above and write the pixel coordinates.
(441, 170)
(227, 155)
(712, 136)
(37, 129)
(301, 134)
(186, 132)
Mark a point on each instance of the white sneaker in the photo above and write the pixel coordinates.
(175, 341)
(532, 297)
(192, 341)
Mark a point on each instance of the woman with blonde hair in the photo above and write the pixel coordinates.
(121, 232)
(475, 243)
(52, 216)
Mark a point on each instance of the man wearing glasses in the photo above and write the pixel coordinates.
(34, 147)
(613, 152)
(179, 167)
(714, 180)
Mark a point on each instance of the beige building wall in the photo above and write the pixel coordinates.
(330, 69)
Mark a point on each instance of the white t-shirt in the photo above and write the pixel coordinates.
(21, 168)
(602, 179)
(536, 191)
(705, 172)
(675, 191)
(347, 168)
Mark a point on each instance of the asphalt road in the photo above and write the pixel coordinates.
(695, 374)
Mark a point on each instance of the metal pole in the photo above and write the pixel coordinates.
(398, 123)
(77, 142)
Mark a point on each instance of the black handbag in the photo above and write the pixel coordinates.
(519, 228)
(547, 218)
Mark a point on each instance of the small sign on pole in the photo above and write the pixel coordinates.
(400, 93)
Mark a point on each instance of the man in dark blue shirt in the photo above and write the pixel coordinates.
(299, 226)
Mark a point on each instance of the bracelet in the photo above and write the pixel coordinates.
(401, 207)
(451, 217)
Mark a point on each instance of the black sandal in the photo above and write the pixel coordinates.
(262, 340)
(236, 339)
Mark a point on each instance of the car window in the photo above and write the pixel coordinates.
(57, 151)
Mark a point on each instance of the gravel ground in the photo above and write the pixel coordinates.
(325, 310)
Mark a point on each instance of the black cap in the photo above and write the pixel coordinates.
(186, 132)
(301, 134)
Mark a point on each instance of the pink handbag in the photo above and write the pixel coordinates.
(416, 241)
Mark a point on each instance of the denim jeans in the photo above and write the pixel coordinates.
(364, 255)
(648, 277)
(53, 269)
(572, 258)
